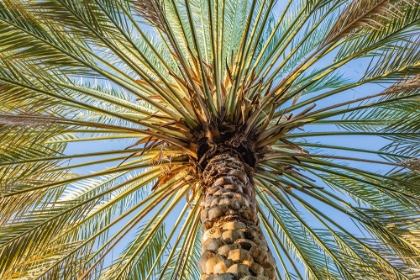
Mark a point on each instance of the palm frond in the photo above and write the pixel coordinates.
(110, 111)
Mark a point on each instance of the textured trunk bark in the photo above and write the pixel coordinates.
(233, 246)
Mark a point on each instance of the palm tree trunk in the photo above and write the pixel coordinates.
(233, 246)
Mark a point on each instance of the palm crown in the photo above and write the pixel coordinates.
(171, 94)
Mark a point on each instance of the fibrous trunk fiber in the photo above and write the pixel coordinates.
(233, 246)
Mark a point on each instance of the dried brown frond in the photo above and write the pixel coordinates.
(411, 163)
(365, 14)
(27, 120)
(152, 11)
(410, 84)
(167, 175)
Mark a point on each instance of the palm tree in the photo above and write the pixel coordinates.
(162, 139)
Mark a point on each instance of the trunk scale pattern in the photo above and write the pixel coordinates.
(233, 246)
